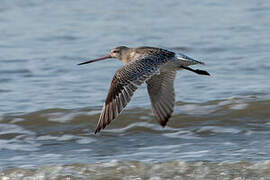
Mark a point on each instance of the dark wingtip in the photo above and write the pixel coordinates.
(163, 124)
(165, 121)
(200, 62)
(97, 130)
(202, 72)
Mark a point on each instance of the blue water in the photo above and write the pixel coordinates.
(50, 106)
(42, 41)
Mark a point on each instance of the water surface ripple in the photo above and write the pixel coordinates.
(49, 106)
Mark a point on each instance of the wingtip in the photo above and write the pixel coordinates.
(202, 63)
(188, 60)
(99, 127)
(202, 72)
(163, 125)
(97, 130)
(207, 73)
(199, 62)
(165, 121)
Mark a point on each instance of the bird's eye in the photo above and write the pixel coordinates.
(116, 51)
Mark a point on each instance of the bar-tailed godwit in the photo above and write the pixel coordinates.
(155, 66)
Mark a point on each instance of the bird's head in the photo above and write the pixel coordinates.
(117, 52)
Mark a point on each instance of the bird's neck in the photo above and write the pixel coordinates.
(129, 56)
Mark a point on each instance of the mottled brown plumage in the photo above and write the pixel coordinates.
(155, 66)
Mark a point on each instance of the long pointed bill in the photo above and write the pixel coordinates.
(98, 59)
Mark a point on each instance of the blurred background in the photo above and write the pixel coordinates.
(49, 106)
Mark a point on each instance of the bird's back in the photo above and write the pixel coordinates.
(138, 53)
(146, 50)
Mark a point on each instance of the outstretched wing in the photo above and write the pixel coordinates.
(161, 91)
(125, 81)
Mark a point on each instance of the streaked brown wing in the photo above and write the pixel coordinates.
(125, 81)
(161, 91)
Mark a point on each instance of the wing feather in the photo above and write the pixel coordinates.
(161, 91)
(124, 83)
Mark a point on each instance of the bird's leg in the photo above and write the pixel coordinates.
(198, 71)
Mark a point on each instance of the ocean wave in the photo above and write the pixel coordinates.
(140, 170)
(220, 113)
(212, 131)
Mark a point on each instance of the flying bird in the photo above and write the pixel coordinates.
(155, 66)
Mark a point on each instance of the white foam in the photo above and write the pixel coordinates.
(85, 140)
(167, 147)
(133, 125)
(141, 170)
(17, 158)
(61, 117)
(182, 134)
(65, 137)
(112, 163)
(216, 129)
(16, 120)
(18, 146)
(263, 165)
(82, 150)
(51, 155)
(194, 109)
(223, 103)
(46, 137)
(13, 129)
(239, 106)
